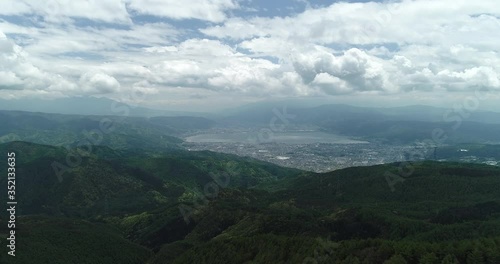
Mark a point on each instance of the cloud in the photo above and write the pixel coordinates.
(402, 22)
(353, 71)
(433, 77)
(473, 77)
(62, 11)
(98, 83)
(15, 8)
(112, 47)
(9, 80)
(359, 47)
(72, 39)
(208, 10)
(117, 11)
(198, 96)
(18, 73)
(212, 65)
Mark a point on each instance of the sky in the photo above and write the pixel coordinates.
(207, 55)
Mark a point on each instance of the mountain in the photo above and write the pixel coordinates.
(437, 114)
(400, 125)
(54, 240)
(155, 133)
(120, 182)
(407, 132)
(87, 106)
(303, 112)
(203, 207)
(443, 211)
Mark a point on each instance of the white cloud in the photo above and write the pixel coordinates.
(14, 7)
(353, 71)
(9, 80)
(212, 65)
(61, 11)
(388, 48)
(423, 21)
(60, 40)
(17, 72)
(98, 83)
(115, 11)
(450, 37)
(161, 49)
(473, 77)
(209, 10)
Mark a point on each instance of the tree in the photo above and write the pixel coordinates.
(475, 257)
(396, 259)
(450, 259)
(429, 258)
(351, 260)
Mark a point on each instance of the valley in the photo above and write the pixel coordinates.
(180, 189)
(318, 151)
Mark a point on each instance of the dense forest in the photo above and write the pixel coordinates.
(132, 206)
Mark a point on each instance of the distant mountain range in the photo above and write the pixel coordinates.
(87, 106)
(120, 132)
(263, 112)
(401, 125)
(260, 112)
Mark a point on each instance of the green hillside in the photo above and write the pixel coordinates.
(203, 207)
(53, 240)
(442, 212)
(124, 181)
(118, 132)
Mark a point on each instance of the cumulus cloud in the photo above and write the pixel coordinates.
(18, 73)
(9, 80)
(473, 77)
(210, 64)
(443, 49)
(433, 77)
(98, 83)
(353, 71)
(343, 48)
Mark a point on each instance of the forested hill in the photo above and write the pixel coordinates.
(119, 132)
(202, 207)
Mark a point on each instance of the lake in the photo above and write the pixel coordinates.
(292, 137)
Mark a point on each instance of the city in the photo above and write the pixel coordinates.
(288, 150)
(316, 157)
